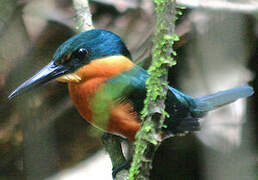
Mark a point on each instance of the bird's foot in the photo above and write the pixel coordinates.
(113, 146)
(118, 168)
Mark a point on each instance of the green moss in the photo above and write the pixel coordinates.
(180, 13)
(181, 7)
(163, 57)
(141, 147)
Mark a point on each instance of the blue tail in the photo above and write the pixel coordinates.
(185, 110)
(213, 101)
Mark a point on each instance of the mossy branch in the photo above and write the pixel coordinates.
(149, 136)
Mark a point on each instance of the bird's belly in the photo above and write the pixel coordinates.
(105, 115)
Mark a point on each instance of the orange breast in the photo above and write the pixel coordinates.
(81, 94)
(105, 67)
(122, 120)
(120, 117)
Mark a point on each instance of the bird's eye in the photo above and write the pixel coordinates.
(82, 52)
(79, 55)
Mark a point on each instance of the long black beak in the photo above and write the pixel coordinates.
(49, 72)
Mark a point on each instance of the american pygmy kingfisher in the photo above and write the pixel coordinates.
(108, 89)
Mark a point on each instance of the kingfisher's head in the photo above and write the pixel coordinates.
(75, 53)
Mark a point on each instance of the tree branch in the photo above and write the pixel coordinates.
(111, 143)
(83, 15)
(149, 136)
(221, 5)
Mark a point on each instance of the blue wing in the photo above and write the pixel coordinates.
(132, 87)
(184, 110)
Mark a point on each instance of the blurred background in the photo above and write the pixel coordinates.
(42, 135)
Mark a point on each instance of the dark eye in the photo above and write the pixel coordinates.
(82, 52)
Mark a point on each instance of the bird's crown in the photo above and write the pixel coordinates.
(89, 45)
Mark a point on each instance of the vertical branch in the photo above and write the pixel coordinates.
(111, 143)
(153, 114)
(83, 15)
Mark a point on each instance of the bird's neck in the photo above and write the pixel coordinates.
(106, 67)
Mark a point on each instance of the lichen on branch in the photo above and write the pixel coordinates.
(153, 114)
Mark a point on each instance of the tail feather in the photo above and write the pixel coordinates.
(213, 101)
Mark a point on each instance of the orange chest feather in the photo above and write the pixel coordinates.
(111, 117)
(121, 119)
(81, 94)
(92, 76)
(105, 67)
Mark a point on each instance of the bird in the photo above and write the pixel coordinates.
(108, 88)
